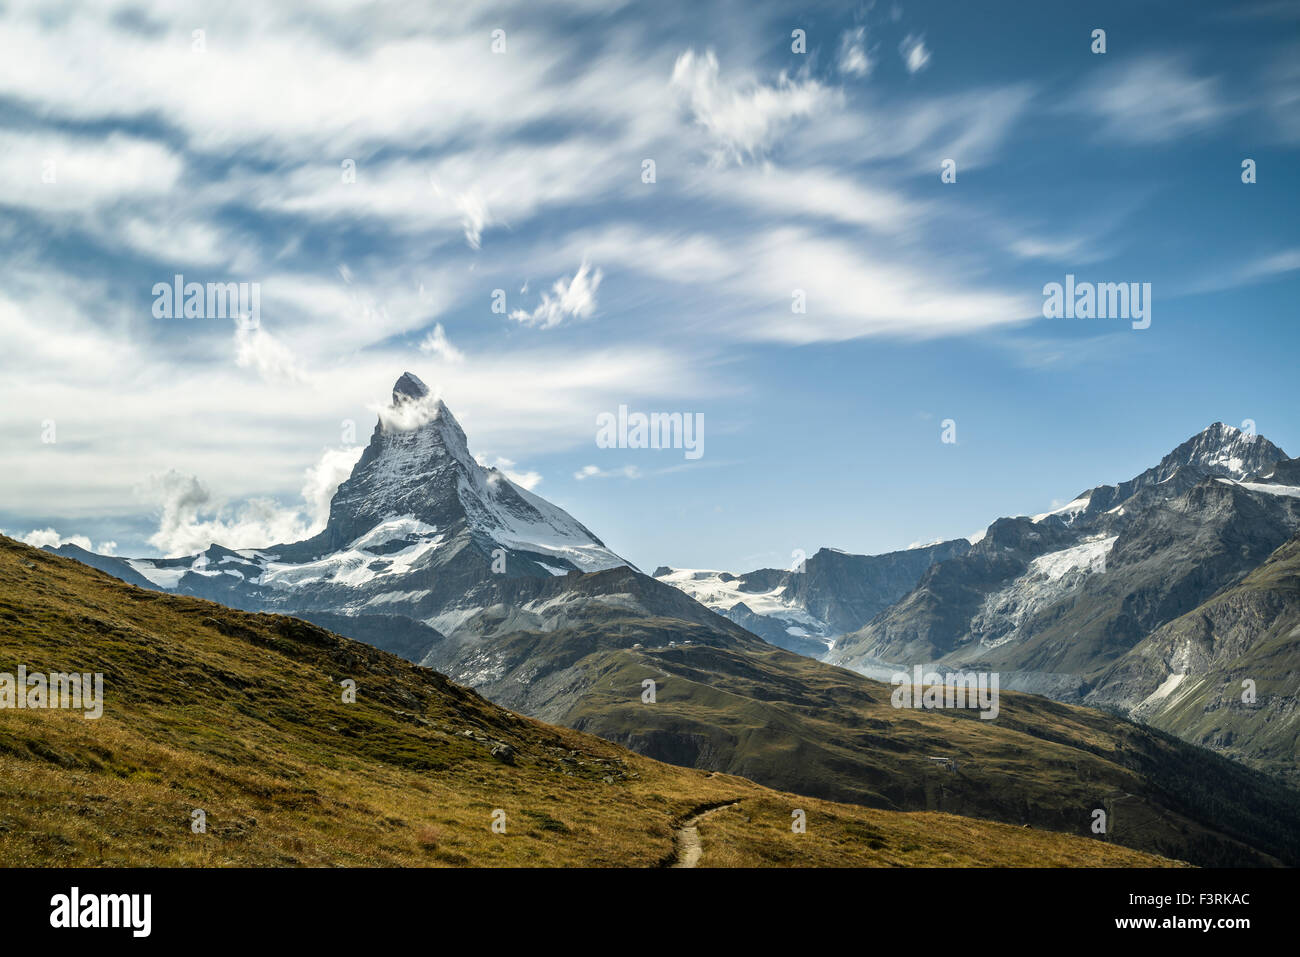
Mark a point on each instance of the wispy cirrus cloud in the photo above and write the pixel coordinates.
(1154, 99)
(596, 472)
(854, 59)
(744, 117)
(437, 344)
(916, 57)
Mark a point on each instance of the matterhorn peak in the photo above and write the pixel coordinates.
(418, 469)
(415, 407)
(408, 388)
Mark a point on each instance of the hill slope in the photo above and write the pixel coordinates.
(241, 716)
(744, 707)
(1187, 677)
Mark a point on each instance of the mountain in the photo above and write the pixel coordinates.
(1068, 603)
(117, 567)
(1219, 451)
(429, 554)
(805, 608)
(420, 531)
(1190, 675)
(1064, 592)
(409, 561)
(838, 594)
(241, 716)
(416, 482)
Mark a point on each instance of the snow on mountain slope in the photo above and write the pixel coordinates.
(516, 518)
(1067, 512)
(1221, 450)
(162, 577)
(1268, 488)
(418, 464)
(722, 592)
(1049, 577)
(364, 560)
(417, 524)
(1218, 451)
(417, 479)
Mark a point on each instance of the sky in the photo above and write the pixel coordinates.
(381, 170)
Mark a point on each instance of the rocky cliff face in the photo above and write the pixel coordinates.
(1223, 674)
(805, 609)
(418, 470)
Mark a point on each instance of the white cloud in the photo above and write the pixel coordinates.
(41, 538)
(1258, 270)
(528, 480)
(820, 192)
(179, 241)
(1055, 248)
(257, 349)
(972, 125)
(854, 59)
(852, 294)
(915, 56)
(1288, 260)
(1152, 100)
(744, 118)
(86, 172)
(191, 520)
(323, 480)
(1282, 99)
(410, 414)
(852, 289)
(681, 257)
(437, 344)
(593, 471)
(568, 298)
(466, 190)
(330, 94)
(474, 217)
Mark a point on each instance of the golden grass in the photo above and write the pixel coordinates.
(757, 833)
(242, 716)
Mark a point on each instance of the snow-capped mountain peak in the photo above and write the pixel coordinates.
(1217, 451)
(418, 466)
(416, 410)
(417, 526)
(1223, 450)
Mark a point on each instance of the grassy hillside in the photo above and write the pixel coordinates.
(791, 722)
(241, 715)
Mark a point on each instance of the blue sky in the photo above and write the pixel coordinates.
(521, 170)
